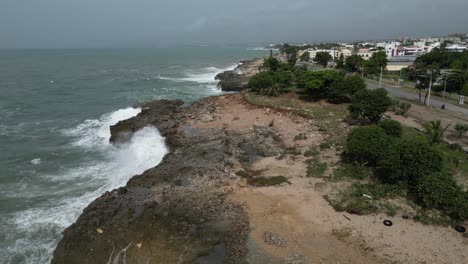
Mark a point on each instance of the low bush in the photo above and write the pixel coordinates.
(316, 168)
(367, 144)
(378, 191)
(437, 190)
(391, 127)
(408, 160)
(351, 171)
(461, 129)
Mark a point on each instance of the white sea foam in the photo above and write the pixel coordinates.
(85, 183)
(36, 161)
(96, 132)
(201, 76)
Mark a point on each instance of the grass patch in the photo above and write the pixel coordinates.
(377, 190)
(312, 152)
(351, 171)
(325, 145)
(367, 198)
(330, 116)
(316, 168)
(271, 181)
(243, 174)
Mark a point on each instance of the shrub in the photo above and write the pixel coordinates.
(261, 81)
(464, 90)
(436, 190)
(435, 131)
(391, 127)
(316, 168)
(409, 160)
(461, 129)
(378, 191)
(404, 107)
(273, 91)
(367, 144)
(283, 78)
(352, 171)
(369, 104)
(458, 208)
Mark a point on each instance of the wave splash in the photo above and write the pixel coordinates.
(201, 76)
(40, 227)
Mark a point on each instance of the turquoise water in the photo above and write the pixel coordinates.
(56, 107)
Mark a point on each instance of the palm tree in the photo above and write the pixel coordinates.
(435, 131)
(273, 91)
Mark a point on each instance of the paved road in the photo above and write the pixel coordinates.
(414, 97)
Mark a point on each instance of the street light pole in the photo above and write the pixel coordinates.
(445, 86)
(380, 81)
(428, 103)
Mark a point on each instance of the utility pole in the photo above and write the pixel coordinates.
(428, 102)
(445, 86)
(380, 81)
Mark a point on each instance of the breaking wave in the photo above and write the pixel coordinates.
(39, 228)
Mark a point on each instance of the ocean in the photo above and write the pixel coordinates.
(56, 107)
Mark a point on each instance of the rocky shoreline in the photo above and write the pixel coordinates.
(198, 206)
(237, 79)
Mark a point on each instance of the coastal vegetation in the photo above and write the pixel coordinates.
(391, 167)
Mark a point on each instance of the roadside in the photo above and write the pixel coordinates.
(406, 94)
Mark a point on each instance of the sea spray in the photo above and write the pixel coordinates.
(40, 227)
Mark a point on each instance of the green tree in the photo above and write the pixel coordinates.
(261, 81)
(305, 57)
(317, 82)
(340, 62)
(271, 64)
(354, 63)
(376, 62)
(283, 78)
(323, 58)
(369, 104)
(455, 82)
(344, 88)
(435, 131)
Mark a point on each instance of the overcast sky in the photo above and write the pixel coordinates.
(150, 23)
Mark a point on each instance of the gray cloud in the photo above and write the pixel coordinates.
(147, 23)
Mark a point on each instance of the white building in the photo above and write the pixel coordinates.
(313, 53)
(365, 53)
(456, 48)
(346, 52)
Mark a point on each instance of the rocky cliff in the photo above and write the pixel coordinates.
(179, 211)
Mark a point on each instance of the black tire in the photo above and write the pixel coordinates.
(388, 223)
(405, 217)
(460, 229)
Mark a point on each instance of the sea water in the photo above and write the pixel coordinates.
(56, 107)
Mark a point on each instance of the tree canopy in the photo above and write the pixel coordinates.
(323, 58)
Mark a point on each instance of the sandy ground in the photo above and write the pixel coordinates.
(299, 213)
